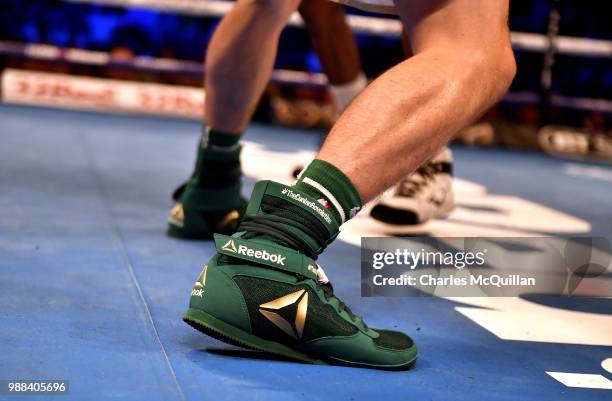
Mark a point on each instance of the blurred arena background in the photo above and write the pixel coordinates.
(91, 290)
(145, 56)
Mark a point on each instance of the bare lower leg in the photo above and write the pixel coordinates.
(236, 73)
(462, 65)
(406, 46)
(332, 40)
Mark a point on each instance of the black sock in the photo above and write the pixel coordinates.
(218, 161)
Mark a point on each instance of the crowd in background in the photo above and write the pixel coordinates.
(126, 32)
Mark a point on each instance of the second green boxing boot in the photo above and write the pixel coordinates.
(263, 289)
(210, 201)
(200, 212)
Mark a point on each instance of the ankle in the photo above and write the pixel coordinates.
(305, 217)
(332, 189)
(218, 159)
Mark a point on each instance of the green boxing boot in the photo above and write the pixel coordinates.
(210, 202)
(259, 292)
(200, 212)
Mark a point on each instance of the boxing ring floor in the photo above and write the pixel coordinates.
(92, 291)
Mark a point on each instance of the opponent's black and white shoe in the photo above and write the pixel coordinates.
(426, 194)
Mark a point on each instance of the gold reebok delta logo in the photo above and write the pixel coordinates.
(198, 287)
(229, 246)
(295, 327)
(177, 215)
(201, 282)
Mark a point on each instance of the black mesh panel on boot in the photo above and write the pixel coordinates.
(321, 319)
(393, 340)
